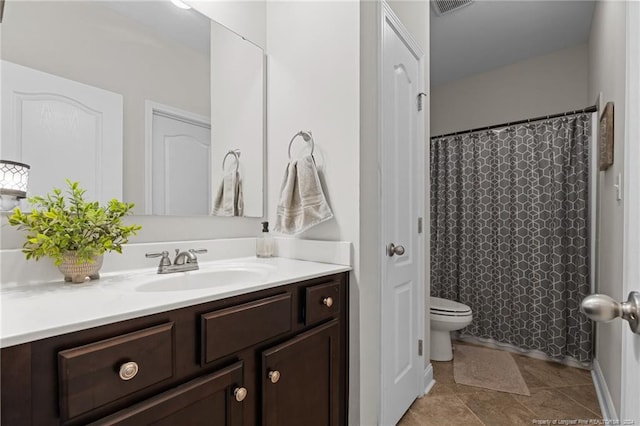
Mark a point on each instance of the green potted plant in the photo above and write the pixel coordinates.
(73, 232)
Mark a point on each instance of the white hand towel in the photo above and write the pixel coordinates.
(302, 203)
(229, 199)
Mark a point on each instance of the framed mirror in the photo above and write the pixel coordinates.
(136, 100)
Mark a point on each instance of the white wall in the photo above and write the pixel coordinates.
(313, 84)
(246, 18)
(607, 68)
(539, 86)
(368, 308)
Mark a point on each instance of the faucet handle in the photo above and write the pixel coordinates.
(194, 252)
(157, 254)
(165, 261)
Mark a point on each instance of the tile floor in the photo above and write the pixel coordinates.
(557, 392)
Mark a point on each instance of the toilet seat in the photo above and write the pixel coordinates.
(448, 308)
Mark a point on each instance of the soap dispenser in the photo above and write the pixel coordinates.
(264, 243)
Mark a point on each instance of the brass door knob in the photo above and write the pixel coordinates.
(328, 302)
(274, 376)
(240, 394)
(128, 370)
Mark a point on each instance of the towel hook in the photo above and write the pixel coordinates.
(236, 154)
(306, 136)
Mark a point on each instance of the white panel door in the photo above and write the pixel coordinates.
(631, 342)
(180, 166)
(402, 177)
(62, 129)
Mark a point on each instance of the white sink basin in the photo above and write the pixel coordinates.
(206, 278)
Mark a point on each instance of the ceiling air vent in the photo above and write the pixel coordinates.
(442, 7)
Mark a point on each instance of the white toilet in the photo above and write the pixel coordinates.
(446, 316)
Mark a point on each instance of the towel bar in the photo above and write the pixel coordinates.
(236, 154)
(306, 136)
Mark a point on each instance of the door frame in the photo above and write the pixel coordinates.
(151, 108)
(386, 14)
(631, 194)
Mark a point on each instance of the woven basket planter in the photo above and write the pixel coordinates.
(78, 272)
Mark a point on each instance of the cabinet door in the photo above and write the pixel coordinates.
(300, 379)
(211, 400)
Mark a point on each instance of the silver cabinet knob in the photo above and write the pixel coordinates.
(393, 249)
(600, 307)
(128, 370)
(274, 376)
(328, 302)
(240, 394)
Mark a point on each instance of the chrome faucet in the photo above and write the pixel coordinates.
(184, 261)
(185, 257)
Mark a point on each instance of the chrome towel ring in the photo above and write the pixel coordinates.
(306, 135)
(236, 154)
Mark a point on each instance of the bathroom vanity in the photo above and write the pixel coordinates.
(272, 356)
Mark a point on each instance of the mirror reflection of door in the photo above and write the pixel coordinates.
(180, 155)
(64, 130)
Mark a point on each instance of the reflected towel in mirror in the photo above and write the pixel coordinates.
(229, 199)
(302, 203)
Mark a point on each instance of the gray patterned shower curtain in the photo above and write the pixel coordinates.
(510, 232)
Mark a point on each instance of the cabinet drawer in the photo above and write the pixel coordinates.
(208, 400)
(322, 301)
(92, 375)
(227, 331)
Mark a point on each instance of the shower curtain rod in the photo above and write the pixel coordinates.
(592, 108)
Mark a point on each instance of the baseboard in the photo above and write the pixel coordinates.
(604, 397)
(428, 379)
(494, 344)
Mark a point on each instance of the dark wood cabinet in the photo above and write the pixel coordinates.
(94, 374)
(225, 330)
(301, 379)
(322, 302)
(214, 399)
(208, 364)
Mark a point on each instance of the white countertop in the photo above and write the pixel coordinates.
(38, 311)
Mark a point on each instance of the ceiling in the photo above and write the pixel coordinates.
(489, 34)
